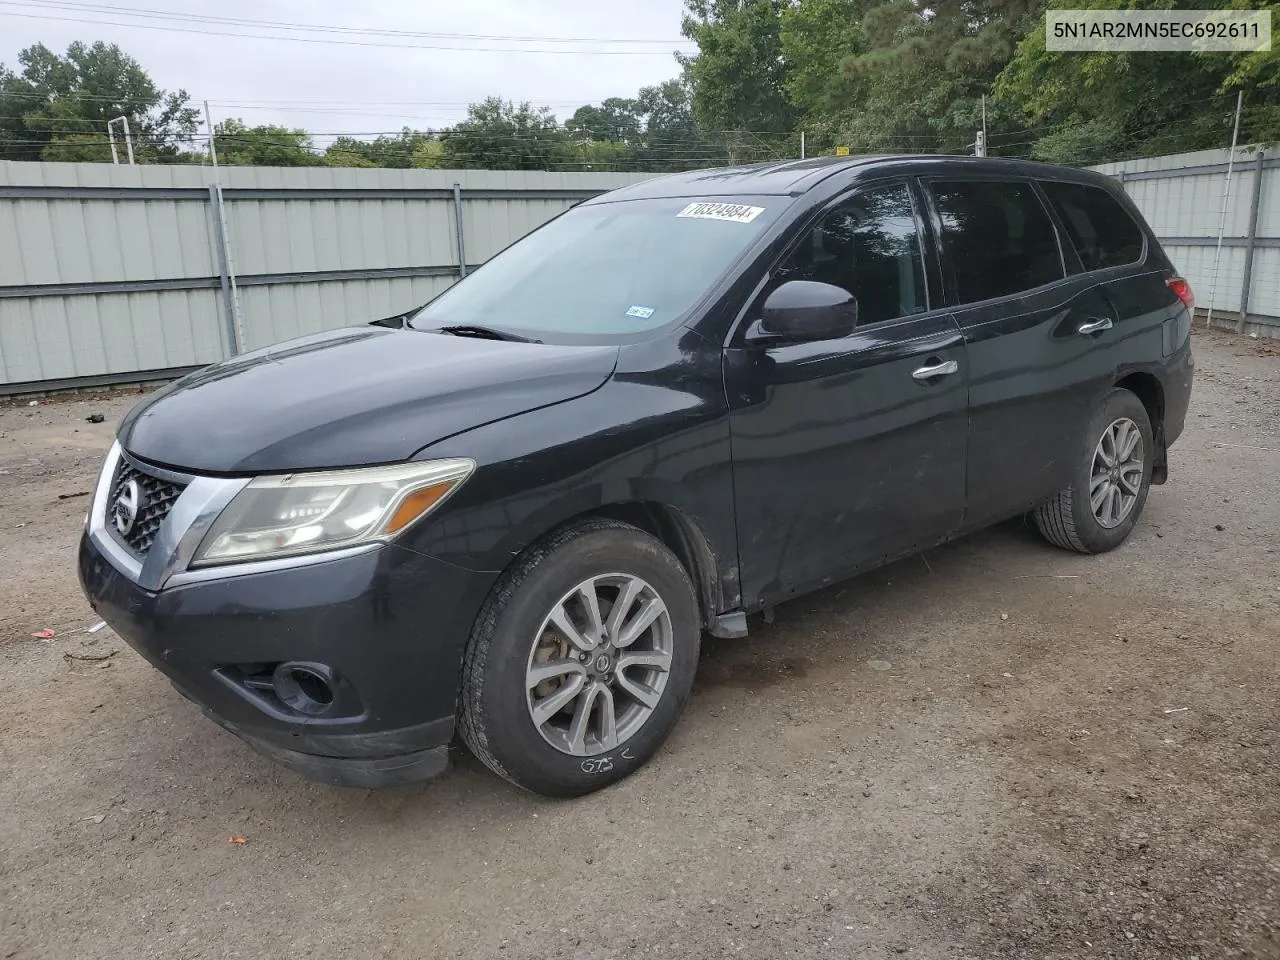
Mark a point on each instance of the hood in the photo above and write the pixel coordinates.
(352, 397)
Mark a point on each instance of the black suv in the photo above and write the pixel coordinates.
(513, 512)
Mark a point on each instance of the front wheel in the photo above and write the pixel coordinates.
(1112, 475)
(581, 660)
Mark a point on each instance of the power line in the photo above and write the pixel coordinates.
(710, 157)
(183, 17)
(453, 132)
(205, 32)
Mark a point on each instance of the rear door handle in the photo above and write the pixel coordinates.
(1094, 326)
(936, 370)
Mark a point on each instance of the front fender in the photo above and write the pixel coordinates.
(628, 443)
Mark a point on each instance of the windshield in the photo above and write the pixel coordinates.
(606, 270)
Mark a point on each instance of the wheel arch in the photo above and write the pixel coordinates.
(1148, 388)
(681, 535)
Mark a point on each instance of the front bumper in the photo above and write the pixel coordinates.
(387, 626)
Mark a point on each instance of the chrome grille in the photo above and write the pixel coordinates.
(155, 499)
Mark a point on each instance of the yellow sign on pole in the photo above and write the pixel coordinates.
(842, 151)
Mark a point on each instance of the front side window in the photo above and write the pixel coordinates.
(607, 271)
(1103, 234)
(868, 245)
(998, 237)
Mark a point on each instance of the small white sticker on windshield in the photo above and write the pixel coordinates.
(642, 313)
(736, 212)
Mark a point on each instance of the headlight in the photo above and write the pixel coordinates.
(278, 516)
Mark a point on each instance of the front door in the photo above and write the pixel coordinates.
(848, 452)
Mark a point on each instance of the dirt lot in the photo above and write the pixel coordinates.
(1003, 750)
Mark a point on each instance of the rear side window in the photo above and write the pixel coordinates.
(998, 237)
(1103, 234)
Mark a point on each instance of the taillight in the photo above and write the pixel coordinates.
(1183, 290)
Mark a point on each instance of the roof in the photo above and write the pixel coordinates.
(794, 177)
(778, 178)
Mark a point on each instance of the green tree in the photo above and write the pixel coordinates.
(817, 37)
(499, 135)
(264, 146)
(385, 151)
(738, 75)
(1089, 107)
(345, 158)
(669, 138)
(927, 66)
(57, 107)
(1257, 73)
(602, 155)
(430, 155)
(615, 120)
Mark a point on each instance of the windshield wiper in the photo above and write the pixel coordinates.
(485, 333)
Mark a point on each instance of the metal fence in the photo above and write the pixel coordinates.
(1189, 203)
(113, 274)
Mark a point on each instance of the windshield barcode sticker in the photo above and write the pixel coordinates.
(640, 313)
(735, 212)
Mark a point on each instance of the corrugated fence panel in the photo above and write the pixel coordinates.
(1264, 297)
(1190, 206)
(111, 270)
(1196, 264)
(1182, 197)
(302, 235)
(1269, 207)
(491, 225)
(59, 337)
(284, 311)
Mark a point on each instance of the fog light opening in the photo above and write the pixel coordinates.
(313, 686)
(305, 687)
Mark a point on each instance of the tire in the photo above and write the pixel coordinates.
(514, 635)
(1069, 520)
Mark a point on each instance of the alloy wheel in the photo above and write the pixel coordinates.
(599, 664)
(1115, 479)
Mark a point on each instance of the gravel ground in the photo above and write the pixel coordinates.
(1001, 750)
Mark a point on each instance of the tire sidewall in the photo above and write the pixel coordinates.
(499, 699)
(1117, 404)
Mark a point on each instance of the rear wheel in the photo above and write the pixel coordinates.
(1112, 476)
(581, 660)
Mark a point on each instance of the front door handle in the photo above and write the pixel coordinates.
(936, 370)
(1094, 326)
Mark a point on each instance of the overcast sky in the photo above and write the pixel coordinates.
(359, 87)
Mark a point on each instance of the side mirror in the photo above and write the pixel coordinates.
(806, 310)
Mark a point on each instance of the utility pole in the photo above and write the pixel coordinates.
(801, 144)
(213, 149)
(128, 138)
(984, 125)
(980, 137)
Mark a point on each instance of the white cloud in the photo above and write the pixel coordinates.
(364, 89)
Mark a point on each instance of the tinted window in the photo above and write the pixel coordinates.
(606, 271)
(869, 246)
(1102, 232)
(998, 237)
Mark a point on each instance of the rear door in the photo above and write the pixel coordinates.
(849, 451)
(1033, 335)
(1132, 275)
